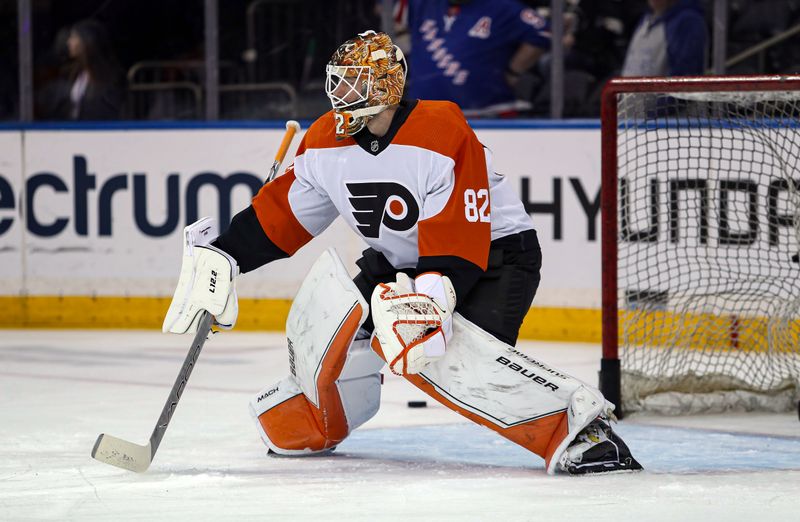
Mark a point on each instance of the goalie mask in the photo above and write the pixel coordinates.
(365, 76)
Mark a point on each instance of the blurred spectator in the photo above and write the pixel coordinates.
(670, 40)
(602, 31)
(472, 52)
(92, 84)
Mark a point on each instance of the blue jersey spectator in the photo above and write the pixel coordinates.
(469, 52)
(670, 40)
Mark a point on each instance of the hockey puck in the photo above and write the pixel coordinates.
(417, 404)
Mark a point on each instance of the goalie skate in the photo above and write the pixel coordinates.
(597, 449)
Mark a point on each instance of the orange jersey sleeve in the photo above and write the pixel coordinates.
(292, 209)
(276, 216)
(462, 227)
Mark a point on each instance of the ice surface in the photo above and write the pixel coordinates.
(59, 390)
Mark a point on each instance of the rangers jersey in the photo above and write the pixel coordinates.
(424, 194)
(460, 53)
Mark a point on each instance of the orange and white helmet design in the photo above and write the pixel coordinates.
(365, 76)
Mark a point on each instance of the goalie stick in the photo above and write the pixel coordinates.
(292, 127)
(135, 457)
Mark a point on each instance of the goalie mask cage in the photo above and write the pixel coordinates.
(700, 217)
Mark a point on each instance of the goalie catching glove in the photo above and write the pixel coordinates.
(413, 320)
(206, 283)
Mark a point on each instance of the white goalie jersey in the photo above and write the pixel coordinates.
(427, 188)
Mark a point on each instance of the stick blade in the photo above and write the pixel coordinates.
(121, 453)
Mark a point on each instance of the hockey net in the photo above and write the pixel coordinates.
(701, 222)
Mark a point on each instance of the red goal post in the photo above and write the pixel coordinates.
(681, 110)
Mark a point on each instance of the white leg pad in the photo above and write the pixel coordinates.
(360, 384)
(335, 382)
(508, 391)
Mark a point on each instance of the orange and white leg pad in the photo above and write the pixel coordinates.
(495, 385)
(335, 382)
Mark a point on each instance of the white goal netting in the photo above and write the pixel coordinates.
(708, 225)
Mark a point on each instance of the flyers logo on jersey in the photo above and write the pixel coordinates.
(382, 203)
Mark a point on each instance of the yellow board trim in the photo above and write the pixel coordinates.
(652, 328)
(709, 332)
(549, 324)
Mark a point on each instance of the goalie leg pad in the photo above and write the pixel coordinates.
(359, 384)
(493, 384)
(335, 381)
(289, 424)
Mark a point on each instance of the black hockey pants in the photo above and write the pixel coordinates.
(499, 300)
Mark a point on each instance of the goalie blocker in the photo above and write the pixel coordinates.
(334, 385)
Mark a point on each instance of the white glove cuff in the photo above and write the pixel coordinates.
(438, 287)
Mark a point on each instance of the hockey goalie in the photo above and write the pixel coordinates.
(451, 270)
